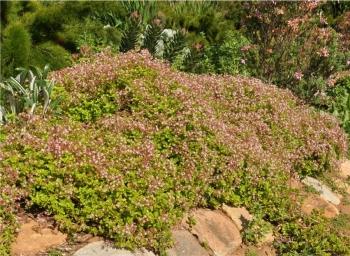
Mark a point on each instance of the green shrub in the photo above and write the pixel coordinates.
(197, 18)
(256, 230)
(47, 21)
(50, 53)
(340, 102)
(15, 48)
(231, 57)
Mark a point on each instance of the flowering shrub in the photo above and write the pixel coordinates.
(174, 141)
(296, 47)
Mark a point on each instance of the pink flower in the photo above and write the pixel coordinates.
(323, 52)
(310, 5)
(298, 75)
(294, 24)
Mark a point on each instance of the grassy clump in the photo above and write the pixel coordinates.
(137, 145)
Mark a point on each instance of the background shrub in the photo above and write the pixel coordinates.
(296, 49)
(51, 53)
(340, 101)
(15, 48)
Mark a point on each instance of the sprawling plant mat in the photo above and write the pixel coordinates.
(136, 144)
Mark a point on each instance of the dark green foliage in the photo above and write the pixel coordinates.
(152, 35)
(50, 53)
(92, 34)
(15, 48)
(107, 18)
(141, 11)
(196, 18)
(131, 36)
(340, 102)
(334, 9)
(47, 22)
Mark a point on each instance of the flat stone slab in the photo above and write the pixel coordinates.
(33, 238)
(240, 216)
(217, 231)
(101, 248)
(186, 244)
(325, 192)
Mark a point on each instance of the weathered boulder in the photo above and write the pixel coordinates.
(240, 216)
(313, 202)
(102, 248)
(345, 169)
(215, 230)
(34, 238)
(186, 244)
(325, 192)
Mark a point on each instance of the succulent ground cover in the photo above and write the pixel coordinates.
(134, 145)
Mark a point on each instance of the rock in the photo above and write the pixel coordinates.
(102, 248)
(313, 202)
(33, 239)
(345, 169)
(240, 216)
(87, 238)
(325, 192)
(344, 208)
(186, 244)
(216, 231)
